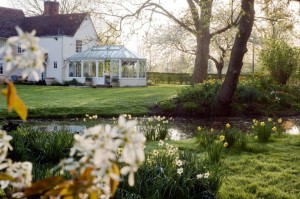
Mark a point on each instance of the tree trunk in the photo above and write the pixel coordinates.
(201, 60)
(219, 69)
(226, 91)
(203, 43)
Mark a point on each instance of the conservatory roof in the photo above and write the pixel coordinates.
(116, 52)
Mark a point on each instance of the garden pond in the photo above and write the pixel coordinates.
(180, 128)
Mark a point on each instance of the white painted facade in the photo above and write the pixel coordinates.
(60, 47)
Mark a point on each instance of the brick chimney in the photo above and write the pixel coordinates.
(51, 8)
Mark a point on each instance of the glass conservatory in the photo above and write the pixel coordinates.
(108, 65)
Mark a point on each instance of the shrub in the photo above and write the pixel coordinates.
(167, 106)
(280, 59)
(246, 94)
(190, 107)
(150, 82)
(73, 82)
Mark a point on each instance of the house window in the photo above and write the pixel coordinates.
(55, 64)
(78, 46)
(1, 68)
(19, 49)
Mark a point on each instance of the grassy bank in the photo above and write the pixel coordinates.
(261, 170)
(58, 101)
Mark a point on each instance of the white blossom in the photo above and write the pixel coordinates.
(99, 148)
(30, 60)
(4, 145)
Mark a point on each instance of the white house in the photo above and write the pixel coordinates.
(70, 41)
(61, 35)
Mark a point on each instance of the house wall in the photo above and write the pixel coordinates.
(133, 82)
(59, 48)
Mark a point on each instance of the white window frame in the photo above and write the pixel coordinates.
(55, 64)
(78, 45)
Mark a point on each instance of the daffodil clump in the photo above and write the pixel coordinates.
(263, 129)
(171, 173)
(155, 128)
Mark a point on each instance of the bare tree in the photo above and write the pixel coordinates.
(36, 7)
(195, 19)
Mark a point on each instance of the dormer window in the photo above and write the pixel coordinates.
(78, 46)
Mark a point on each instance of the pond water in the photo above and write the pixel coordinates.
(181, 128)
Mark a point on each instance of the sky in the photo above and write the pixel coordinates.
(5, 3)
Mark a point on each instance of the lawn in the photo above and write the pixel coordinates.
(58, 101)
(269, 170)
(264, 170)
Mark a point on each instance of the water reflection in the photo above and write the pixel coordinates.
(181, 128)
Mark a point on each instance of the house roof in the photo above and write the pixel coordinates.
(109, 52)
(9, 19)
(62, 24)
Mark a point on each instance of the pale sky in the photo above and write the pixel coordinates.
(5, 3)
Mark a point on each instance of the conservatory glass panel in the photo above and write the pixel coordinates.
(72, 69)
(78, 69)
(86, 70)
(115, 68)
(93, 69)
(129, 69)
(100, 69)
(107, 67)
(75, 69)
(142, 70)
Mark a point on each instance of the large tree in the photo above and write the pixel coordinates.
(226, 91)
(196, 19)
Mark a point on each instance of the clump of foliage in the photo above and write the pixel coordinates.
(155, 128)
(39, 146)
(231, 137)
(170, 173)
(280, 59)
(196, 100)
(264, 129)
(167, 106)
(72, 82)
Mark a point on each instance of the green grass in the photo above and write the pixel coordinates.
(271, 171)
(263, 170)
(58, 101)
